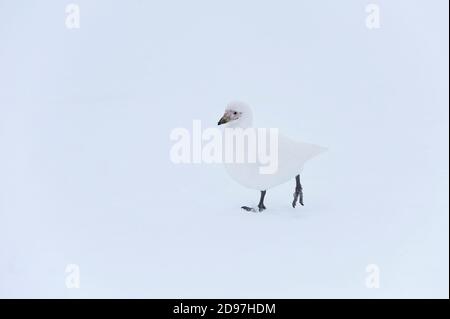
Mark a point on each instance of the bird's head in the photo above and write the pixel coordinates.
(236, 112)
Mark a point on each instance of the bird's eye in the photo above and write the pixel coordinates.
(235, 113)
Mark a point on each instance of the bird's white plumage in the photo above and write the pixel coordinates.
(292, 156)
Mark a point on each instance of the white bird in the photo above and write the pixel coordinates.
(292, 156)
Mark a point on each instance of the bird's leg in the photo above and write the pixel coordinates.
(298, 194)
(261, 201)
(261, 206)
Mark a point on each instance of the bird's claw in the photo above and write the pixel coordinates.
(253, 209)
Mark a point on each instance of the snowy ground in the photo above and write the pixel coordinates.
(85, 175)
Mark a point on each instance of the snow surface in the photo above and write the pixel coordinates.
(85, 176)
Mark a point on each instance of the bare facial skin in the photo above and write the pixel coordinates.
(228, 116)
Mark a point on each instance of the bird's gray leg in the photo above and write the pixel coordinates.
(261, 206)
(298, 194)
(261, 201)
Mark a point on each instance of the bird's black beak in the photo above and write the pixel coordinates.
(223, 120)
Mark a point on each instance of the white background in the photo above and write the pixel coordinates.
(85, 175)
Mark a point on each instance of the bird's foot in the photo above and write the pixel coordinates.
(298, 196)
(260, 208)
